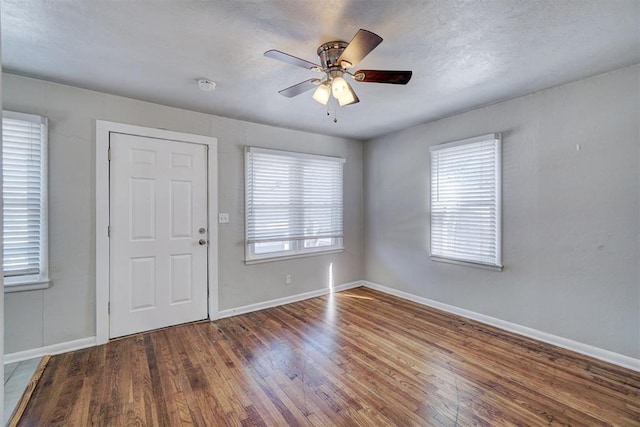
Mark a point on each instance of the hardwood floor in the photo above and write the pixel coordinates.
(358, 357)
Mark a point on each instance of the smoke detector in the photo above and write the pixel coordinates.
(206, 85)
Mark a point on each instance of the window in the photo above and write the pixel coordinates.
(293, 203)
(24, 186)
(465, 201)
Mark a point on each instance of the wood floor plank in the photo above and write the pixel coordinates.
(355, 358)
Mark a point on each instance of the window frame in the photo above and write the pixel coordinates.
(297, 247)
(40, 280)
(497, 237)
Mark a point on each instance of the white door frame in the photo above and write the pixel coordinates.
(103, 129)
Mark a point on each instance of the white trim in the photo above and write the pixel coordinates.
(212, 189)
(475, 256)
(588, 350)
(286, 257)
(59, 348)
(42, 279)
(79, 344)
(253, 149)
(498, 178)
(466, 263)
(286, 300)
(103, 129)
(33, 118)
(487, 137)
(102, 224)
(26, 286)
(294, 220)
(578, 347)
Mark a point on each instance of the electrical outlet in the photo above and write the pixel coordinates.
(223, 218)
(287, 279)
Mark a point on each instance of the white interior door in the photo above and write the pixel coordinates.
(158, 233)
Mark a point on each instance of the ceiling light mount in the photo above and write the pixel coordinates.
(329, 54)
(207, 85)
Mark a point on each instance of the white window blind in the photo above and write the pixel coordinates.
(466, 201)
(294, 202)
(24, 157)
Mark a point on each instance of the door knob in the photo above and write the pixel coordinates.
(202, 242)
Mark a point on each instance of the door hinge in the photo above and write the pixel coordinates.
(108, 231)
(109, 154)
(109, 307)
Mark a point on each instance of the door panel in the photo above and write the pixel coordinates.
(142, 283)
(142, 201)
(181, 209)
(158, 204)
(181, 284)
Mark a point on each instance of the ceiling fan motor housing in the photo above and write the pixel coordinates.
(329, 54)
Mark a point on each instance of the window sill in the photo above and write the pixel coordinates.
(26, 286)
(286, 257)
(467, 263)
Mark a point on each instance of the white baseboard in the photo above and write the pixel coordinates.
(588, 350)
(62, 347)
(91, 341)
(578, 347)
(286, 300)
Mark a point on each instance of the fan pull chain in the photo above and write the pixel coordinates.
(335, 111)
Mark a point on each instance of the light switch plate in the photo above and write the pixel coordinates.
(223, 218)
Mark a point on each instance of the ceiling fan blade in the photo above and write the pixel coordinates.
(290, 59)
(383, 76)
(302, 87)
(360, 46)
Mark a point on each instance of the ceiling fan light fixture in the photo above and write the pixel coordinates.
(339, 87)
(322, 93)
(348, 97)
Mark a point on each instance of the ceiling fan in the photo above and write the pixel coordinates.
(337, 58)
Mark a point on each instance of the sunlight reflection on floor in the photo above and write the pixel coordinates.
(330, 277)
(348, 295)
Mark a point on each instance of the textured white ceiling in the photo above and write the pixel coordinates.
(464, 54)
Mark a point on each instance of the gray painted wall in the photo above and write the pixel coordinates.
(571, 219)
(66, 311)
